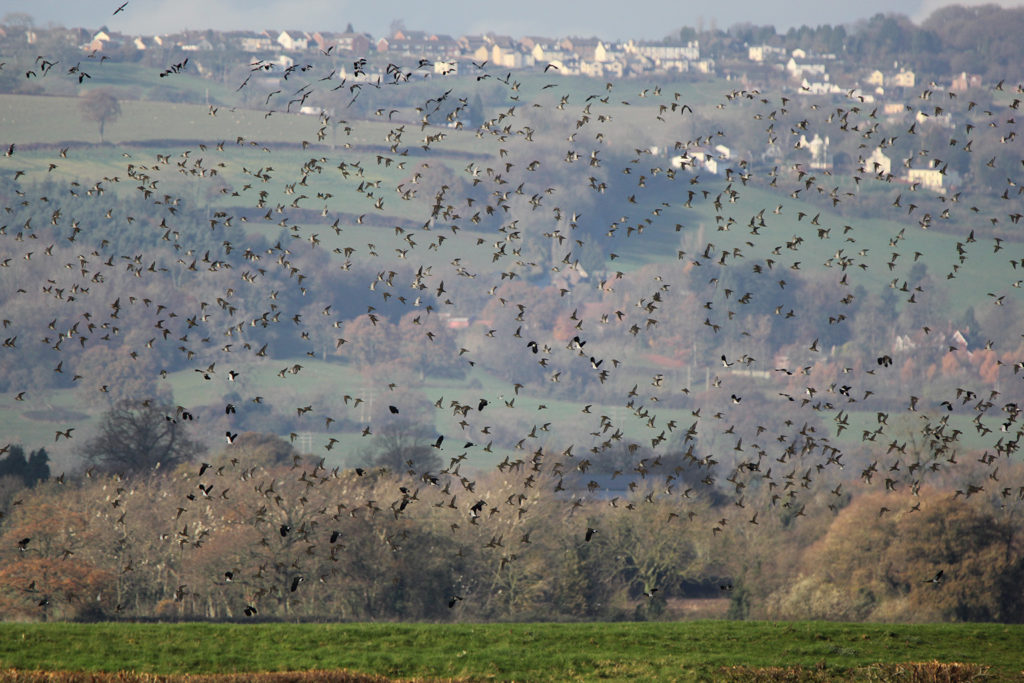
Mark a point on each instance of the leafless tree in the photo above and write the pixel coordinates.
(140, 436)
(401, 446)
(99, 106)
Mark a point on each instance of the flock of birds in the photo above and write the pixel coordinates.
(88, 285)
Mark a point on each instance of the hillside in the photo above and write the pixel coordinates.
(596, 296)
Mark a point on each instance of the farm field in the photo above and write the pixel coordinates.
(700, 352)
(323, 383)
(45, 122)
(701, 650)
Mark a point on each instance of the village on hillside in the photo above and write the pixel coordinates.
(891, 89)
(807, 71)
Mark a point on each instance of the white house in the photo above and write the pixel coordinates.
(659, 52)
(877, 164)
(929, 178)
(292, 43)
(761, 53)
(904, 79)
(799, 70)
(818, 148)
(255, 43)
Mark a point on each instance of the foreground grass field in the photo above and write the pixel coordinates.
(534, 652)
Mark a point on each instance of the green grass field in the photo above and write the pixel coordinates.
(984, 270)
(326, 381)
(506, 652)
(56, 120)
(147, 128)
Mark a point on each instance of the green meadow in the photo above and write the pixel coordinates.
(691, 651)
(147, 128)
(41, 125)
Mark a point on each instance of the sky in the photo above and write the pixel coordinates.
(606, 19)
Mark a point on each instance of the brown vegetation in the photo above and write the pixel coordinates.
(903, 672)
(230, 540)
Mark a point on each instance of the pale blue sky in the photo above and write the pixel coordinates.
(608, 19)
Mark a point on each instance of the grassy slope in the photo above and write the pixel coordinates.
(52, 120)
(35, 423)
(56, 119)
(536, 652)
(328, 381)
(984, 271)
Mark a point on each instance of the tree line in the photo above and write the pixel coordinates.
(978, 39)
(258, 531)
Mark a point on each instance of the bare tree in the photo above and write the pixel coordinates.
(139, 436)
(401, 446)
(99, 106)
(21, 20)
